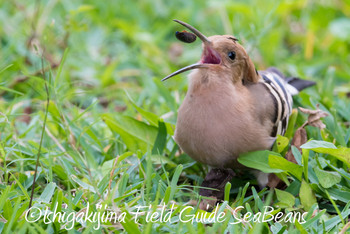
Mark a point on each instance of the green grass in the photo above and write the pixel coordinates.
(110, 121)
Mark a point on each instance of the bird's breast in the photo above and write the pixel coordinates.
(215, 127)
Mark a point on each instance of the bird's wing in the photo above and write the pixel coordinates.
(281, 93)
(296, 83)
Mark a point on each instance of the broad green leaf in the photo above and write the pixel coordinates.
(285, 165)
(327, 178)
(341, 153)
(259, 160)
(285, 197)
(135, 134)
(281, 143)
(307, 196)
(314, 144)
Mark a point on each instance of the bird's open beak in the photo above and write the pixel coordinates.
(209, 55)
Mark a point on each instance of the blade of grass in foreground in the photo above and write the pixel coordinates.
(42, 133)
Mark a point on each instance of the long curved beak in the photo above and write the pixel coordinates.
(190, 67)
(207, 44)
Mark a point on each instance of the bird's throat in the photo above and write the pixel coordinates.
(210, 56)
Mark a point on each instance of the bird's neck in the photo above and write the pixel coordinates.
(203, 81)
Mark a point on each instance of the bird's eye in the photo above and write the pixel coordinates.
(232, 55)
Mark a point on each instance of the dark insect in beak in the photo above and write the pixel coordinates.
(209, 55)
(185, 36)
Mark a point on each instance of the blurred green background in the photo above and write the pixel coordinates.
(119, 45)
(103, 62)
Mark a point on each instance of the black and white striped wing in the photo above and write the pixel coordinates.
(281, 92)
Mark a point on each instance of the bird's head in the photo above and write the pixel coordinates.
(223, 56)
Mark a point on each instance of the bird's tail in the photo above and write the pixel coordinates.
(299, 84)
(295, 82)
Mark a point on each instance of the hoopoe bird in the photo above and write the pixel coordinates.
(231, 108)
